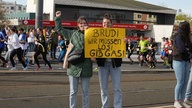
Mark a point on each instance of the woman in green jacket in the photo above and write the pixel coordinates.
(81, 71)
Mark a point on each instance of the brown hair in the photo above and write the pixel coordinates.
(82, 18)
(107, 16)
(40, 29)
(185, 27)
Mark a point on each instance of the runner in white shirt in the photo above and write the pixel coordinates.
(31, 40)
(14, 41)
(9, 47)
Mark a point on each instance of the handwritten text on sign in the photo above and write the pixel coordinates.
(105, 43)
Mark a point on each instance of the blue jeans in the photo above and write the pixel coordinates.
(31, 46)
(61, 55)
(189, 87)
(181, 69)
(74, 81)
(115, 73)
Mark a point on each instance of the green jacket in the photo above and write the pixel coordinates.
(54, 38)
(85, 68)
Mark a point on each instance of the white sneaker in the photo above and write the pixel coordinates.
(178, 104)
(13, 68)
(186, 105)
(25, 68)
(7, 66)
(187, 101)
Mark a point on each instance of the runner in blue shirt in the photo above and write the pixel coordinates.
(2, 45)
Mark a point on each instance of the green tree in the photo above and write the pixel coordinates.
(3, 20)
(1, 13)
(184, 17)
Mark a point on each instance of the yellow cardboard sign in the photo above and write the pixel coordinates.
(105, 43)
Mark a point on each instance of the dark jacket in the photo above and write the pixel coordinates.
(116, 62)
(180, 47)
(42, 47)
(41, 39)
(54, 38)
(130, 47)
(39, 48)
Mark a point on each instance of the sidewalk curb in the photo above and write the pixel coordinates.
(64, 72)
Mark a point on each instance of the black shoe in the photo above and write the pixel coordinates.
(131, 62)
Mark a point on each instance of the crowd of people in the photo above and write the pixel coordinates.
(53, 42)
(18, 42)
(147, 50)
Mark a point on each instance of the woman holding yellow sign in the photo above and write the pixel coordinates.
(106, 67)
(79, 71)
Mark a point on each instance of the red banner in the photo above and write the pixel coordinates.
(28, 22)
(91, 24)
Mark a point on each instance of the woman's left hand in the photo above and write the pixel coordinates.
(93, 59)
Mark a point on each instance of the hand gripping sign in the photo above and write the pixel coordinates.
(105, 43)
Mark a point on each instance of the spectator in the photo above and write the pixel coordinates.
(62, 48)
(181, 65)
(110, 67)
(54, 43)
(189, 85)
(82, 71)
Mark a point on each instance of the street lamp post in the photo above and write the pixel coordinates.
(39, 14)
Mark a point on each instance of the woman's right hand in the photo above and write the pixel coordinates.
(58, 14)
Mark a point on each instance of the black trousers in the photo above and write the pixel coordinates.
(19, 55)
(2, 58)
(37, 53)
(53, 50)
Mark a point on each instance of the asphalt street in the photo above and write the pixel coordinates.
(140, 90)
(142, 87)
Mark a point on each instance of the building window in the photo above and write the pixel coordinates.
(138, 16)
(150, 15)
(19, 8)
(12, 8)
